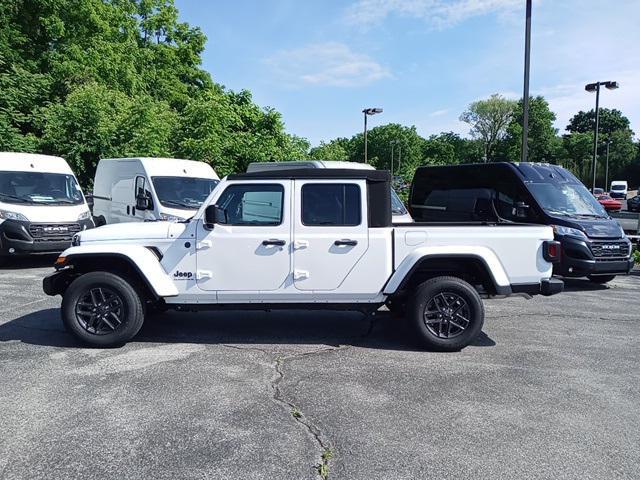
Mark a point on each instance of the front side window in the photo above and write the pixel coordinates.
(331, 204)
(253, 204)
(183, 192)
(39, 188)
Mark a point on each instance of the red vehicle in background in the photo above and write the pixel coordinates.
(609, 204)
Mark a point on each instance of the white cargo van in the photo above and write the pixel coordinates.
(41, 204)
(147, 189)
(619, 189)
(398, 210)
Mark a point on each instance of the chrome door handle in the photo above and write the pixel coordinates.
(273, 241)
(350, 243)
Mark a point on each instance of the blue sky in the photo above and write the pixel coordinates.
(319, 62)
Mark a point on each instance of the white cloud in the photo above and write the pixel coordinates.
(326, 64)
(439, 113)
(436, 13)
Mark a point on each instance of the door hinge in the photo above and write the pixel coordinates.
(202, 274)
(203, 245)
(300, 274)
(298, 244)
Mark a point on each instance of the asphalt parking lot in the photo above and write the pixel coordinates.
(551, 389)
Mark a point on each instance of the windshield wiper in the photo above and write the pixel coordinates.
(179, 204)
(13, 197)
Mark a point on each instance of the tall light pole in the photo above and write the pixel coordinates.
(525, 95)
(367, 112)
(595, 87)
(606, 168)
(392, 143)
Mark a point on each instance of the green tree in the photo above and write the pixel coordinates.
(543, 142)
(611, 120)
(489, 120)
(337, 149)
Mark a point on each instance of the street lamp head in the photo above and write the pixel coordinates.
(591, 87)
(612, 85)
(371, 111)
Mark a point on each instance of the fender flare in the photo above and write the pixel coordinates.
(484, 255)
(141, 259)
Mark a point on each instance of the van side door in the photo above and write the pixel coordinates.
(330, 232)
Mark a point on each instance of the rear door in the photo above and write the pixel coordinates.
(330, 232)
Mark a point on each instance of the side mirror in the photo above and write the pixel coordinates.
(522, 210)
(142, 202)
(214, 214)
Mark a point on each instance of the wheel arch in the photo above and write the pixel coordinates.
(473, 267)
(140, 266)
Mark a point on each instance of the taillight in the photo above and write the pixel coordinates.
(552, 251)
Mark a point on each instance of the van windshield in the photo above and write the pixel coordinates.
(566, 200)
(618, 187)
(397, 207)
(39, 188)
(183, 192)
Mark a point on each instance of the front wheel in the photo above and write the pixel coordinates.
(601, 279)
(102, 309)
(446, 313)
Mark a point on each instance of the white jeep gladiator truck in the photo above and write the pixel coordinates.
(305, 238)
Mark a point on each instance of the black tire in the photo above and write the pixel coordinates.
(437, 310)
(601, 279)
(93, 304)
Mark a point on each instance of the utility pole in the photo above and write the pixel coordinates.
(367, 112)
(525, 96)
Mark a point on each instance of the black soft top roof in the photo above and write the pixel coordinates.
(371, 176)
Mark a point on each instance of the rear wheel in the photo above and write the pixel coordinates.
(102, 309)
(601, 279)
(447, 313)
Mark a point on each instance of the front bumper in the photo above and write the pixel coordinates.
(20, 238)
(594, 257)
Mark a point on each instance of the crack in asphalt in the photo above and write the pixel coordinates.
(322, 465)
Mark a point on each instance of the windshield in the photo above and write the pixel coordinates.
(397, 207)
(183, 192)
(38, 188)
(617, 187)
(566, 200)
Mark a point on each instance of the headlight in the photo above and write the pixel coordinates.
(7, 215)
(574, 232)
(170, 218)
(84, 215)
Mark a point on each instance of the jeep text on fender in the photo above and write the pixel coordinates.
(299, 239)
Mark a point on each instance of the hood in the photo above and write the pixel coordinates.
(131, 231)
(47, 213)
(598, 228)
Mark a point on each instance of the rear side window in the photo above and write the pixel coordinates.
(331, 204)
(254, 204)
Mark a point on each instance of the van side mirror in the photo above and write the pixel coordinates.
(522, 210)
(142, 202)
(215, 214)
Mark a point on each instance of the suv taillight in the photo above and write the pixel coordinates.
(552, 251)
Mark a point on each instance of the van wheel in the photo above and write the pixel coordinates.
(102, 309)
(601, 279)
(446, 313)
(99, 221)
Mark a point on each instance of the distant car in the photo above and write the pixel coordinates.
(609, 204)
(597, 192)
(633, 204)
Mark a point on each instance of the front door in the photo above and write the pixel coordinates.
(330, 232)
(250, 251)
